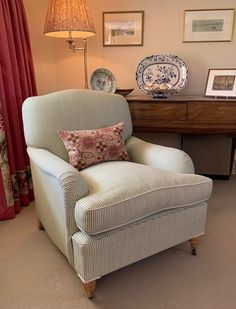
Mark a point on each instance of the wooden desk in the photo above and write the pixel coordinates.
(183, 114)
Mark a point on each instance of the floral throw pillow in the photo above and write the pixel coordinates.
(88, 147)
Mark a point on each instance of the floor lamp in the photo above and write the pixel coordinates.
(70, 19)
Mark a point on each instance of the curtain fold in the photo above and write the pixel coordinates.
(17, 82)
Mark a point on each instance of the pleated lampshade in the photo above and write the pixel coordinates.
(69, 19)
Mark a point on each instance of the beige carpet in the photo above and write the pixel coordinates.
(34, 274)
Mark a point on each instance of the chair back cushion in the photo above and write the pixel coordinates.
(69, 110)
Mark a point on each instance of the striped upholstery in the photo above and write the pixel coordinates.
(57, 187)
(114, 213)
(122, 192)
(97, 255)
(157, 156)
(71, 110)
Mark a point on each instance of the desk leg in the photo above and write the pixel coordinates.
(232, 153)
(182, 141)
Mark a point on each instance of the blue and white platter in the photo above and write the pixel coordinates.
(162, 75)
(103, 80)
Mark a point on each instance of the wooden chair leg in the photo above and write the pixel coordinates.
(193, 243)
(89, 288)
(39, 224)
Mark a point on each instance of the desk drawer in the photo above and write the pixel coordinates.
(212, 112)
(158, 111)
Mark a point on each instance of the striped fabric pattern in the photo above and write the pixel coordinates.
(57, 187)
(97, 255)
(123, 192)
(168, 158)
(71, 110)
(114, 213)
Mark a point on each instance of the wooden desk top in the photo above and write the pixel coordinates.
(179, 98)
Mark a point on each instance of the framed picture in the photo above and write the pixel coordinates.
(123, 28)
(221, 83)
(208, 25)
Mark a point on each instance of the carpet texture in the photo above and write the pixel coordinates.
(34, 274)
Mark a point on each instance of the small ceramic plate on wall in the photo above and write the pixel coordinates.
(103, 80)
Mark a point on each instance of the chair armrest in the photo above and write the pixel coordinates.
(163, 157)
(61, 170)
(58, 186)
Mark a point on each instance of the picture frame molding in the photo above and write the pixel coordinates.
(209, 40)
(141, 12)
(220, 93)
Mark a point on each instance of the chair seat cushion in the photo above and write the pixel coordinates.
(122, 192)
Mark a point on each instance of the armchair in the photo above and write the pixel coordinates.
(114, 213)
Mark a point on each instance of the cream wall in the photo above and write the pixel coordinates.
(58, 68)
(43, 50)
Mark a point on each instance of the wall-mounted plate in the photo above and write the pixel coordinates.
(103, 80)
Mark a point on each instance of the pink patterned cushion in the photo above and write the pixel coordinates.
(88, 147)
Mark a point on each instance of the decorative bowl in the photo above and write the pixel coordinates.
(124, 91)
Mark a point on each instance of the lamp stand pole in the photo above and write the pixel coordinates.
(85, 65)
(72, 45)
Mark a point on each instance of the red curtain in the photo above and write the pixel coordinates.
(17, 82)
